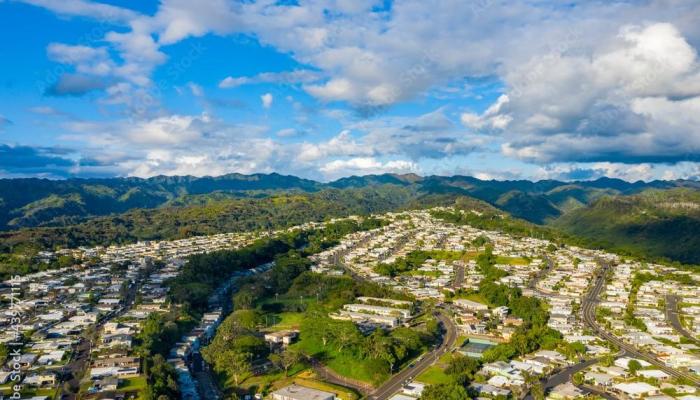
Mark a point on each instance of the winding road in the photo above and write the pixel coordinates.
(459, 277)
(588, 312)
(674, 320)
(532, 285)
(391, 386)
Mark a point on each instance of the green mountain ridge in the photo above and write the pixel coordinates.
(659, 218)
(34, 202)
(205, 216)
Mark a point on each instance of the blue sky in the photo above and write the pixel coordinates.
(330, 88)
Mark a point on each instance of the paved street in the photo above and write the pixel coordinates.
(76, 367)
(674, 319)
(207, 387)
(394, 384)
(459, 277)
(564, 375)
(588, 310)
(541, 274)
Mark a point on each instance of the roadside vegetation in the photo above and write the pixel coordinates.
(203, 273)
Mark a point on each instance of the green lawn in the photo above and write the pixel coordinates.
(287, 300)
(28, 391)
(362, 370)
(473, 297)
(460, 341)
(433, 376)
(436, 373)
(133, 384)
(511, 260)
(286, 320)
(343, 363)
(263, 383)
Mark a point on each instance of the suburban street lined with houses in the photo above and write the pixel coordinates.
(672, 315)
(104, 302)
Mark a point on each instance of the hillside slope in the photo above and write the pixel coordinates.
(37, 202)
(42, 202)
(205, 215)
(654, 222)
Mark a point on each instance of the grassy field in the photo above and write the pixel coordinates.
(28, 392)
(343, 363)
(263, 383)
(433, 376)
(436, 373)
(460, 341)
(512, 260)
(286, 320)
(133, 384)
(473, 297)
(288, 300)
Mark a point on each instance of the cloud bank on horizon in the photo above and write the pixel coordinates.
(329, 88)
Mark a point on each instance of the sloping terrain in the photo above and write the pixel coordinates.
(657, 218)
(654, 222)
(38, 202)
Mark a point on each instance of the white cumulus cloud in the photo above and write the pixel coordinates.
(266, 100)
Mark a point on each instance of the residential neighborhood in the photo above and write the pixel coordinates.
(80, 324)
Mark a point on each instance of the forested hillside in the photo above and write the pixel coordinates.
(657, 223)
(42, 202)
(656, 219)
(37, 202)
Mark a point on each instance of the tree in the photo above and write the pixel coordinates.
(161, 379)
(578, 378)
(65, 261)
(462, 366)
(317, 327)
(607, 360)
(234, 363)
(288, 358)
(346, 334)
(249, 344)
(572, 350)
(377, 343)
(244, 299)
(537, 391)
(287, 267)
(444, 391)
(634, 366)
(432, 327)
